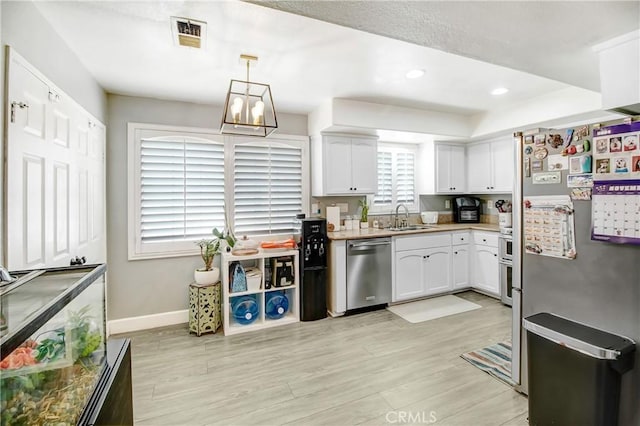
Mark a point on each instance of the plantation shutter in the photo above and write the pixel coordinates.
(405, 178)
(396, 178)
(384, 194)
(267, 188)
(182, 189)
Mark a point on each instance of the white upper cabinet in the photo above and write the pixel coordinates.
(450, 166)
(442, 169)
(490, 167)
(344, 165)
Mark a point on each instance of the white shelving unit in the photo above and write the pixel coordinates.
(230, 325)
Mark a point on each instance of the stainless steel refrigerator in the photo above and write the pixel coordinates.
(600, 287)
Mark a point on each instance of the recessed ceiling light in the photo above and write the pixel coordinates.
(415, 74)
(499, 91)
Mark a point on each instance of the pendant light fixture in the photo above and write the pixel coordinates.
(248, 109)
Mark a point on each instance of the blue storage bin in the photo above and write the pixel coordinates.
(276, 305)
(245, 309)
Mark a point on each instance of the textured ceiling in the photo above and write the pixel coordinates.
(552, 39)
(128, 47)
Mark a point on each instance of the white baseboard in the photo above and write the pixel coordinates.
(145, 322)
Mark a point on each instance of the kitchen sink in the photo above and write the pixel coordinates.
(411, 228)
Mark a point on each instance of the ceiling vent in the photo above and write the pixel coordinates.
(189, 32)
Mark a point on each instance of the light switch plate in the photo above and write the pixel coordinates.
(447, 204)
(344, 207)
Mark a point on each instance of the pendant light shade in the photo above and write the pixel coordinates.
(248, 108)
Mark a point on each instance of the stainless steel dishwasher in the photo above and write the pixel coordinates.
(368, 272)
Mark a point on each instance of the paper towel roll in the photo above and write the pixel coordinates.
(333, 218)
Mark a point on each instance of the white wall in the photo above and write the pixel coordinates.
(26, 30)
(146, 287)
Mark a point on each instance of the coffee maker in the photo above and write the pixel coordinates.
(311, 237)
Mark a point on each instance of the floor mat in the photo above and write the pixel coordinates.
(428, 309)
(494, 359)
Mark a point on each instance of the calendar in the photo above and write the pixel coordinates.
(615, 211)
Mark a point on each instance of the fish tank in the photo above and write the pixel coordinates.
(52, 343)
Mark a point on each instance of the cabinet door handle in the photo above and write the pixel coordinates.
(355, 189)
(484, 241)
(455, 252)
(495, 255)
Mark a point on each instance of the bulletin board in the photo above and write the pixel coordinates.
(549, 227)
(615, 211)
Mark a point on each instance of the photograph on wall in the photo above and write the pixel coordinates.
(630, 143)
(603, 165)
(615, 144)
(621, 164)
(602, 145)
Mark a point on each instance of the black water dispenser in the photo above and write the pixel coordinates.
(311, 237)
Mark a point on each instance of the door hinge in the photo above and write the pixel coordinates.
(20, 105)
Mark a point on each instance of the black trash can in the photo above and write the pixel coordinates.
(574, 372)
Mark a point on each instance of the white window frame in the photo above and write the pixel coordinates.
(413, 208)
(136, 251)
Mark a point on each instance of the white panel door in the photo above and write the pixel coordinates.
(409, 275)
(503, 165)
(437, 270)
(55, 176)
(479, 168)
(457, 169)
(364, 166)
(28, 157)
(487, 269)
(460, 267)
(337, 163)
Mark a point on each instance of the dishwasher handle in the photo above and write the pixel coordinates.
(365, 245)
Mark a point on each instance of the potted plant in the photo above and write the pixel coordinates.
(208, 251)
(364, 213)
(226, 236)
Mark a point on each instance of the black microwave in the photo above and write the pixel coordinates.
(466, 209)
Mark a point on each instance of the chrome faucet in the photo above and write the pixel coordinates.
(405, 221)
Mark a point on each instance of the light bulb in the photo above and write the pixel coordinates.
(260, 107)
(257, 115)
(236, 109)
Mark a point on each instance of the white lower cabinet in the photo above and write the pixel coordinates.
(422, 266)
(485, 263)
(410, 282)
(437, 270)
(426, 265)
(460, 267)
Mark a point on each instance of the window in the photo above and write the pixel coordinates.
(396, 178)
(181, 179)
(268, 187)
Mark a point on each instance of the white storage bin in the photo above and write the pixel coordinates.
(254, 279)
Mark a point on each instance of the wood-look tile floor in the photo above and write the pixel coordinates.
(373, 368)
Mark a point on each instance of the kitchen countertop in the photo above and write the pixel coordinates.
(445, 227)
